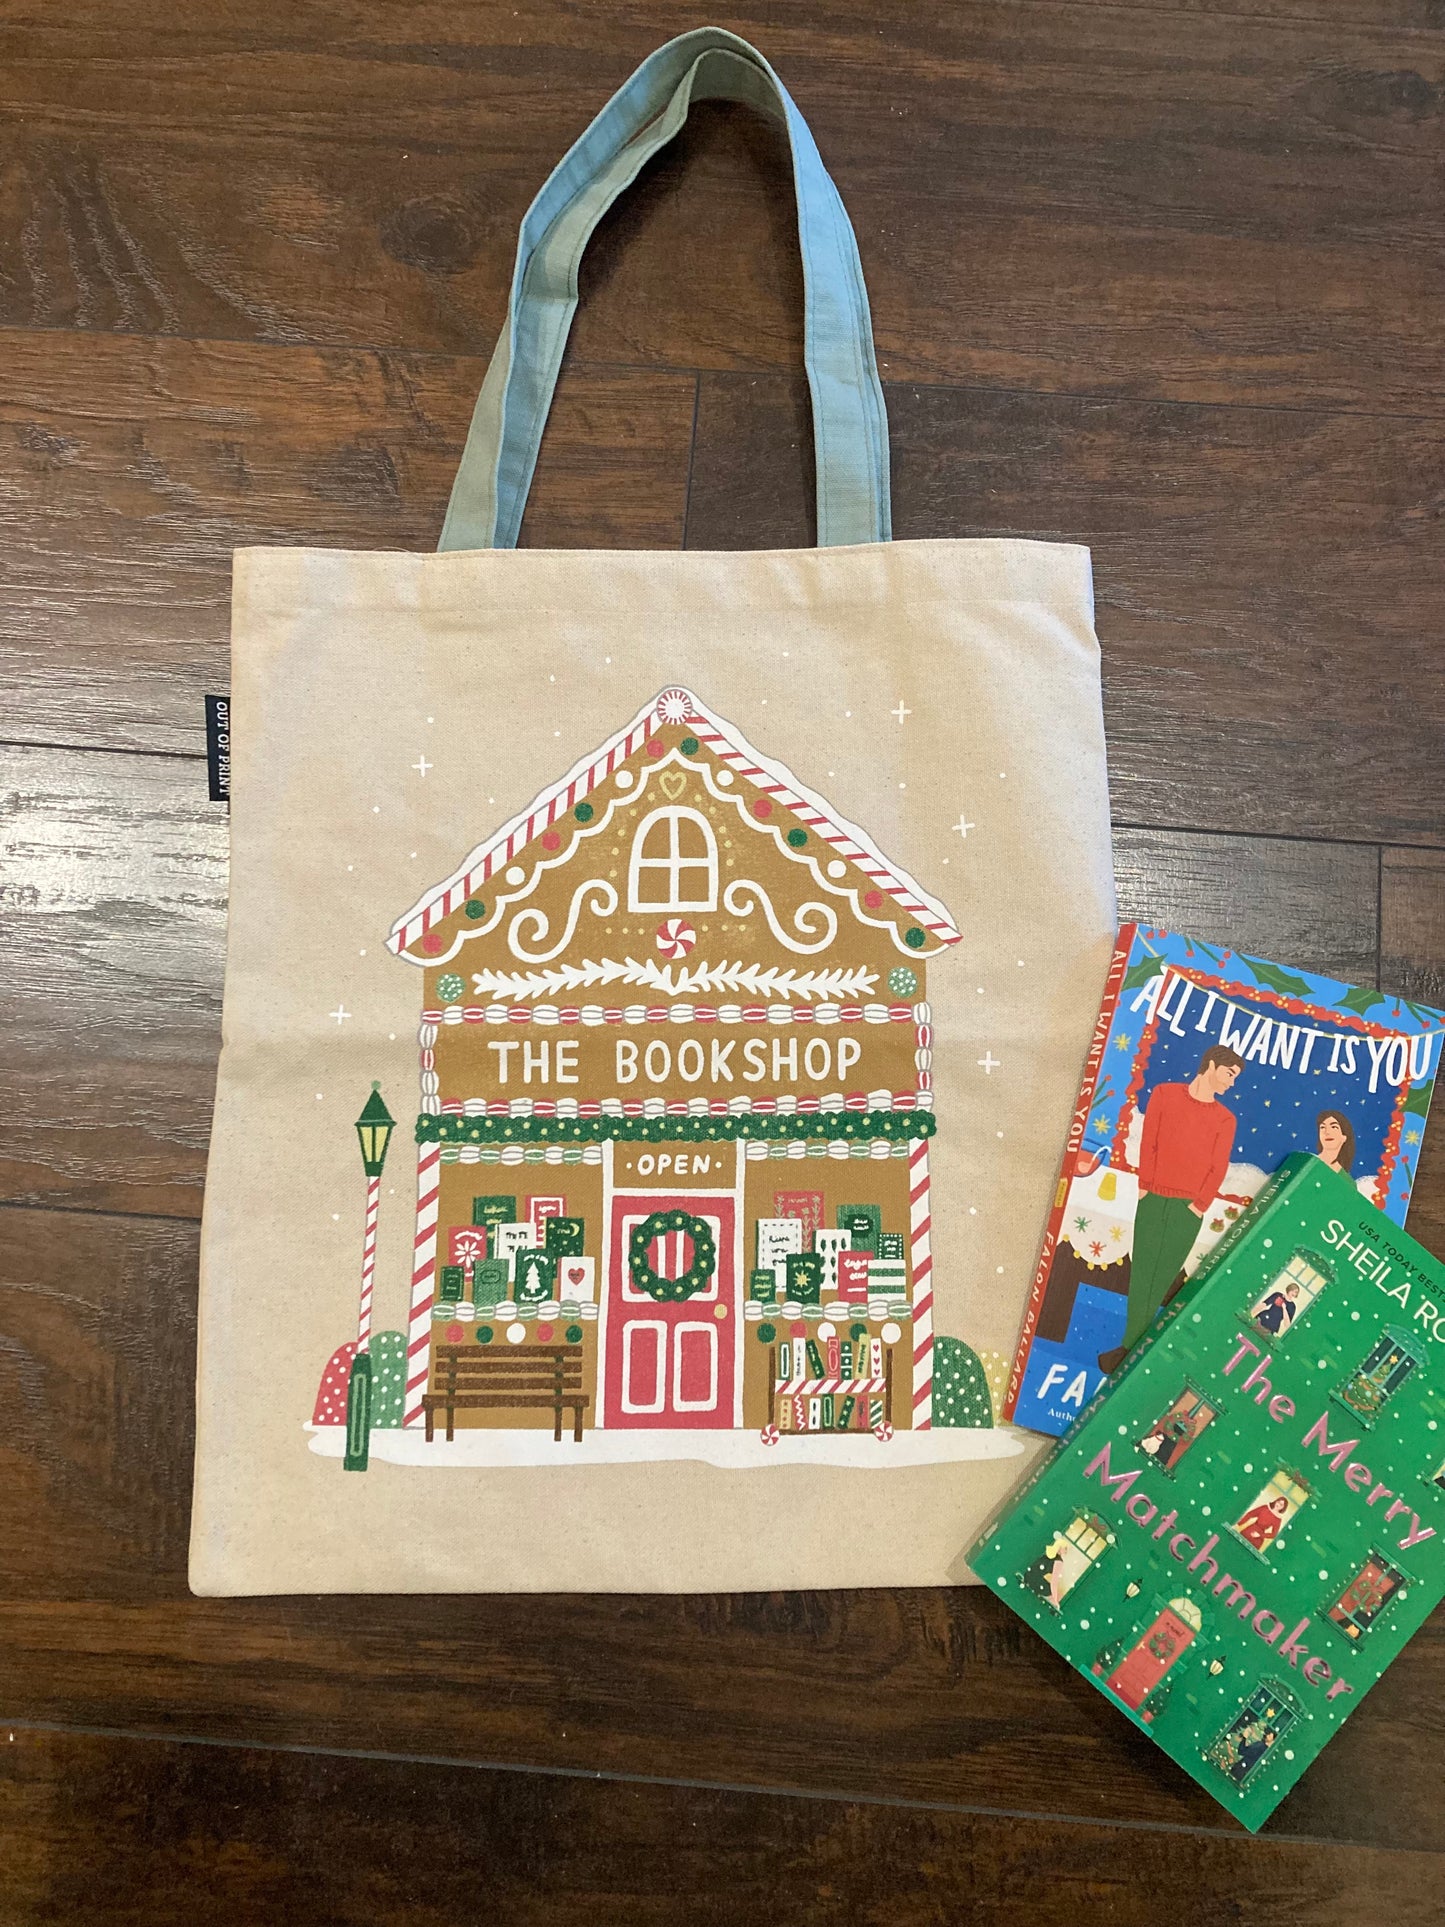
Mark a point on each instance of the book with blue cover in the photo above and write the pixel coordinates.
(1248, 1523)
(1207, 1068)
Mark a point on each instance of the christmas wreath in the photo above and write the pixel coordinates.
(704, 1256)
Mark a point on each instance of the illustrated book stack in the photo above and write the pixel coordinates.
(1246, 1526)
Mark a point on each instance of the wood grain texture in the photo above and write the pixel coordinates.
(1147, 275)
(130, 469)
(1265, 581)
(114, 1830)
(1127, 201)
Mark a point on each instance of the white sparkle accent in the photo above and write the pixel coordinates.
(990, 1064)
(963, 826)
(901, 711)
(341, 1013)
(421, 766)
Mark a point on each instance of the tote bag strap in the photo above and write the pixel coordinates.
(850, 427)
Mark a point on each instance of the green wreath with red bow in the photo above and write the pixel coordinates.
(689, 1282)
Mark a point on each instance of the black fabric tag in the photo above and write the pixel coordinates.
(218, 747)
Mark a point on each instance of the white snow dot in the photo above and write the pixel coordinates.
(1268, 1244)
(1002, 775)
(376, 809)
(1195, 1319)
(1001, 1580)
(837, 869)
(350, 867)
(998, 1270)
(998, 1133)
(1354, 1318)
(1205, 1510)
(391, 1037)
(903, 786)
(1289, 1753)
(1022, 965)
(336, 1217)
(1324, 1572)
(1083, 1625)
(1123, 1431)
(551, 679)
(516, 874)
(624, 779)
(318, 1097)
(980, 990)
(515, 1334)
(723, 778)
(847, 712)
(556, 732)
(361, 953)
(1249, 1468)
(973, 1211)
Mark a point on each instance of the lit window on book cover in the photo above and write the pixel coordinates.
(1175, 1430)
(1289, 1295)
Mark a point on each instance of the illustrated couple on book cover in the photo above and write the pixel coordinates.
(1208, 1068)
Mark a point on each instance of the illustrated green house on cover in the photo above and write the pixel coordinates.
(1247, 1525)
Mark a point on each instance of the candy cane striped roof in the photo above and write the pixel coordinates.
(671, 708)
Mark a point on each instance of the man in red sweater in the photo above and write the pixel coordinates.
(1188, 1136)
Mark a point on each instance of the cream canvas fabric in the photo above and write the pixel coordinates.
(719, 937)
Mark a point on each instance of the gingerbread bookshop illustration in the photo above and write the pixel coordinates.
(672, 1143)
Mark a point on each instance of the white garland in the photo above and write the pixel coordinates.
(674, 980)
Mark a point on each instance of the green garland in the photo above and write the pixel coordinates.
(704, 1256)
(850, 1127)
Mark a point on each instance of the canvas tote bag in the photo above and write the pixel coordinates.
(657, 985)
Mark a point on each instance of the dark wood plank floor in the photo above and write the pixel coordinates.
(1158, 277)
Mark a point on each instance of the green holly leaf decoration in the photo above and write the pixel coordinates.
(1143, 972)
(1284, 982)
(1417, 1098)
(1361, 999)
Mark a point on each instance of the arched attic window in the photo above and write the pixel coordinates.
(674, 862)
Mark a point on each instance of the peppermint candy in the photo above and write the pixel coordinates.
(675, 937)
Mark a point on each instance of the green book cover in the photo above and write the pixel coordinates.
(1245, 1527)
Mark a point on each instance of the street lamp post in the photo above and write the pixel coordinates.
(373, 1128)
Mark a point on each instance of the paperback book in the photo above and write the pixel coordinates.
(1246, 1526)
(1207, 1068)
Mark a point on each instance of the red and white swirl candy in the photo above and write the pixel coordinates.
(675, 937)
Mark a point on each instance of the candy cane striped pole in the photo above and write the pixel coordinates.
(423, 1280)
(368, 1263)
(920, 1225)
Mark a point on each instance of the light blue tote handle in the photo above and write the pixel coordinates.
(850, 427)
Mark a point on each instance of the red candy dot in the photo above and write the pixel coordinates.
(544, 1334)
(551, 841)
(762, 807)
(454, 1334)
(656, 746)
(798, 1329)
(873, 900)
(431, 943)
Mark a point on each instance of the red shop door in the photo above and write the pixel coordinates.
(671, 1364)
(1141, 1670)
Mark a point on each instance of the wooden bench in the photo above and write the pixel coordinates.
(471, 1378)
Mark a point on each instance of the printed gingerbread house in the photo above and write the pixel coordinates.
(675, 1106)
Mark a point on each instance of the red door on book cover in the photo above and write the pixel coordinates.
(1141, 1669)
(670, 1362)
